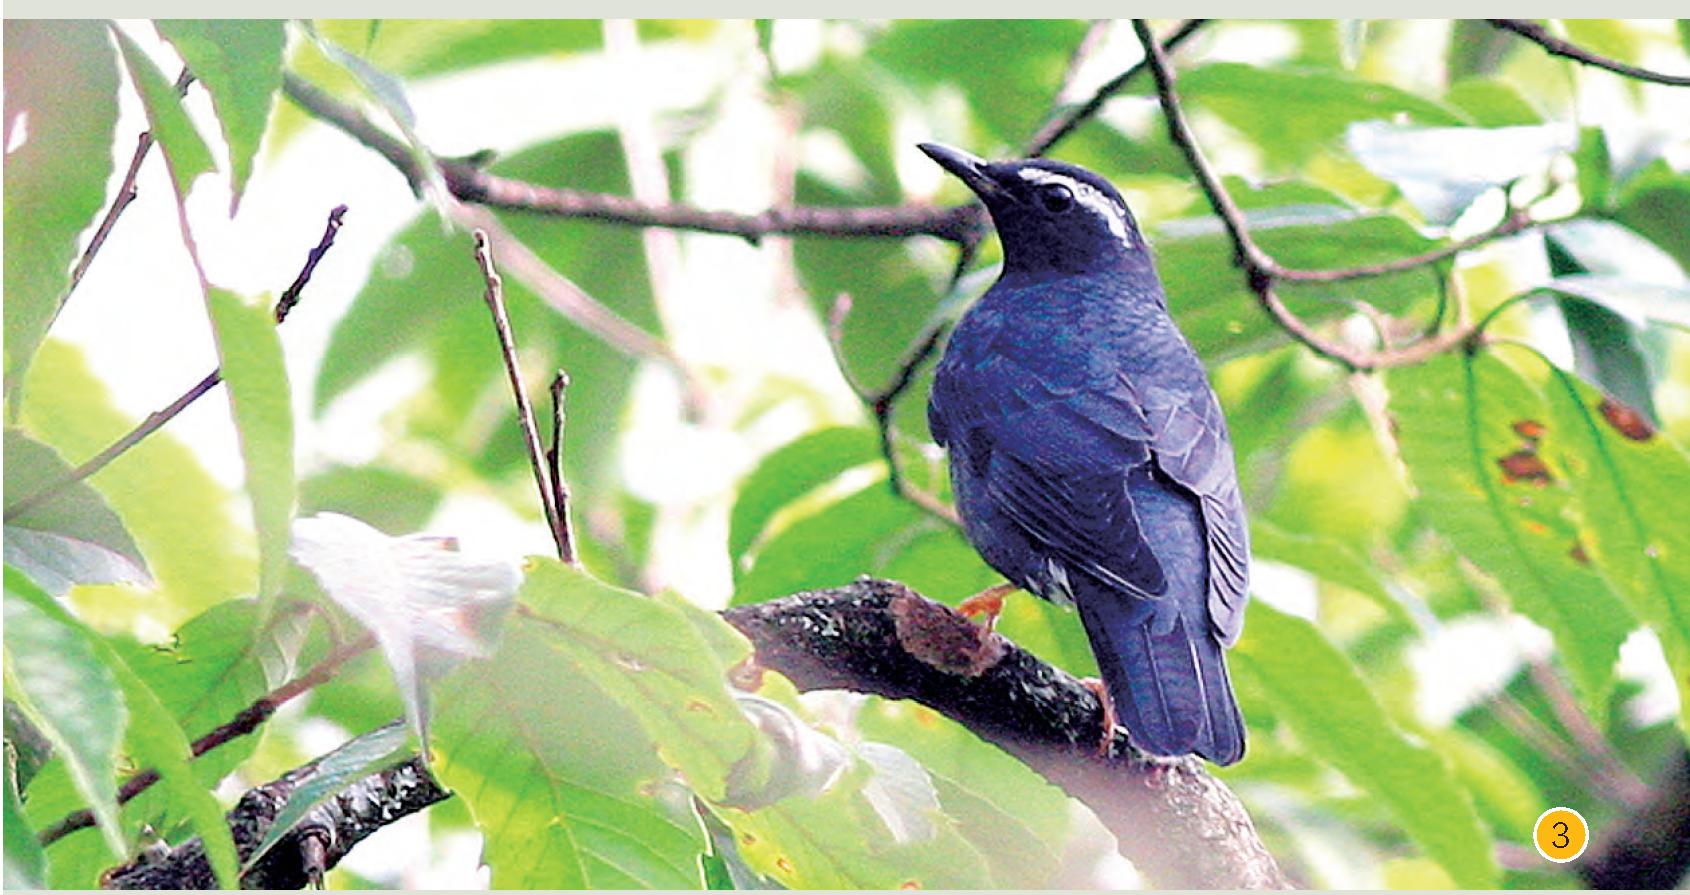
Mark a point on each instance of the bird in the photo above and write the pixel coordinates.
(1089, 457)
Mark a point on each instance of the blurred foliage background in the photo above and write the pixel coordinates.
(1472, 576)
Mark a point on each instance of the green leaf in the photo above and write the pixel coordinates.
(73, 537)
(1629, 479)
(1291, 114)
(167, 121)
(788, 473)
(1607, 349)
(1491, 103)
(1655, 203)
(56, 675)
(1014, 817)
(177, 513)
(1635, 302)
(240, 63)
(1006, 69)
(56, 180)
(559, 778)
(1595, 169)
(257, 380)
(1318, 693)
(420, 47)
(26, 860)
(1472, 434)
(352, 761)
(647, 654)
(158, 742)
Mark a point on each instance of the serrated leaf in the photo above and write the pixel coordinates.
(1472, 434)
(168, 122)
(347, 764)
(26, 860)
(255, 375)
(177, 513)
(71, 538)
(646, 654)
(559, 778)
(788, 473)
(1318, 693)
(56, 675)
(55, 180)
(1629, 479)
(240, 64)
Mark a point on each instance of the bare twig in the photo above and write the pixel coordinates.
(495, 297)
(1260, 270)
(126, 193)
(573, 302)
(959, 223)
(1626, 786)
(1064, 121)
(1516, 221)
(247, 721)
(157, 419)
(1555, 46)
(554, 457)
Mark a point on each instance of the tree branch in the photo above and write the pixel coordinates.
(1261, 271)
(1179, 825)
(1555, 46)
(958, 223)
(157, 419)
(309, 850)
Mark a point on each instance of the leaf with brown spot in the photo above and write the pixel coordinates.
(1531, 430)
(1626, 420)
(1525, 466)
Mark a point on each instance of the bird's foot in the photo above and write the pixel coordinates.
(1095, 685)
(988, 602)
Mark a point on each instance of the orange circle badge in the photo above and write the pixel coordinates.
(1561, 834)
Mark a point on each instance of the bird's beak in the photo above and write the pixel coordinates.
(970, 169)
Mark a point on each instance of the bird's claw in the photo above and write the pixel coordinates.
(988, 603)
(1109, 720)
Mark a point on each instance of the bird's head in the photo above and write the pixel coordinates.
(1053, 217)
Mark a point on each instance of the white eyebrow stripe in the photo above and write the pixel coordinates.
(1087, 195)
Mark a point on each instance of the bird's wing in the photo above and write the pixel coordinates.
(1056, 461)
(1192, 448)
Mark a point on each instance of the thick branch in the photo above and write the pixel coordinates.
(959, 223)
(309, 850)
(1555, 46)
(1179, 825)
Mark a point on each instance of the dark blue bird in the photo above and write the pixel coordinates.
(1089, 458)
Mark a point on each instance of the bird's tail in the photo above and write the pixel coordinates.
(1170, 690)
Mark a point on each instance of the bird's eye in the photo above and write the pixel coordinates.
(1055, 198)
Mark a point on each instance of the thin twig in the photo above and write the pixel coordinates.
(247, 721)
(1516, 221)
(573, 302)
(126, 193)
(495, 297)
(1260, 270)
(1064, 121)
(958, 223)
(157, 419)
(560, 487)
(1555, 46)
(1626, 786)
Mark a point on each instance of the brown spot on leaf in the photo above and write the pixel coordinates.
(910, 884)
(784, 864)
(1578, 554)
(1531, 430)
(1626, 420)
(747, 675)
(1535, 527)
(698, 705)
(1525, 465)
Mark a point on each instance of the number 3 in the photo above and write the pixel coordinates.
(1561, 841)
